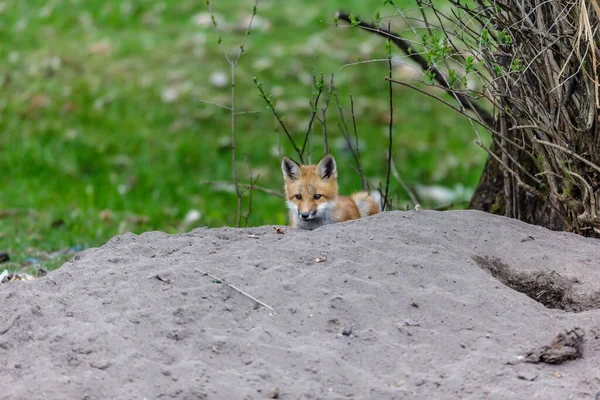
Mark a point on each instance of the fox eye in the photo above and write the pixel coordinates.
(299, 196)
(317, 196)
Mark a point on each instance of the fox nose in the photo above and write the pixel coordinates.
(304, 215)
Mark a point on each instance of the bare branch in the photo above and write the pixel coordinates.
(363, 181)
(346, 134)
(232, 108)
(313, 111)
(251, 189)
(569, 152)
(414, 54)
(323, 119)
(391, 126)
(246, 186)
(407, 189)
(272, 107)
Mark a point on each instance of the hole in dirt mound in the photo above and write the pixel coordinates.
(546, 287)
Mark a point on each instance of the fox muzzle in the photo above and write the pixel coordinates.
(307, 215)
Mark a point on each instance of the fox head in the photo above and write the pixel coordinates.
(311, 190)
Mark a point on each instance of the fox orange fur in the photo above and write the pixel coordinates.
(312, 195)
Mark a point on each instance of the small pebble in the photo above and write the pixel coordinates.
(274, 394)
(347, 331)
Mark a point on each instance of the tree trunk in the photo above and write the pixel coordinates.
(489, 197)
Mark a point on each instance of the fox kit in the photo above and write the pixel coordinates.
(312, 195)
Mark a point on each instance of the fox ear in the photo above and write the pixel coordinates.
(290, 168)
(326, 168)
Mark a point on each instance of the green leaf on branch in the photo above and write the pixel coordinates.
(452, 78)
(429, 77)
(517, 65)
(470, 65)
(505, 37)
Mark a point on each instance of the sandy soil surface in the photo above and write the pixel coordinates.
(402, 305)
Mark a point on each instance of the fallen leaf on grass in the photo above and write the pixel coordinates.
(106, 215)
(38, 101)
(103, 47)
(8, 213)
(137, 219)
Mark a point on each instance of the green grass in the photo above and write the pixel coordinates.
(90, 147)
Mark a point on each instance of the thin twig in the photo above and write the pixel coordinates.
(444, 102)
(251, 189)
(569, 152)
(213, 104)
(363, 181)
(413, 53)
(247, 112)
(588, 196)
(407, 189)
(313, 111)
(272, 107)
(391, 125)
(232, 64)
(235, 288)
(346, 134)
(246, 186)
(323, 119)
(233, 158)
(344, 130)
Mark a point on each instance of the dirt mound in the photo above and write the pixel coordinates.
(402, 305)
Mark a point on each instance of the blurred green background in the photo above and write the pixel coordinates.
(101, 131)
